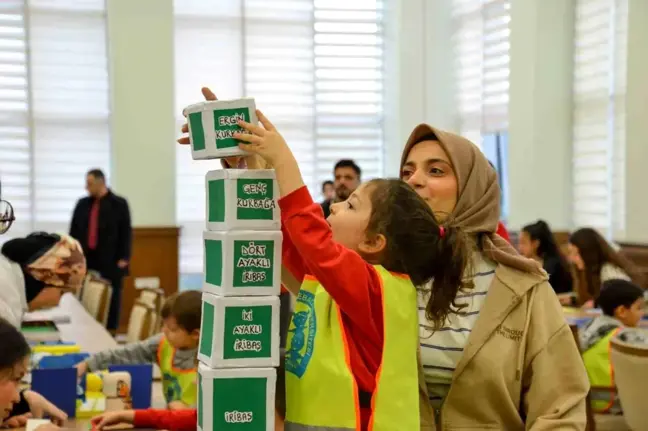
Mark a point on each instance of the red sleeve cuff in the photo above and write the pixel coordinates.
(295, 202)
(143, 418)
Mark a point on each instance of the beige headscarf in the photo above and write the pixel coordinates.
(478, 200)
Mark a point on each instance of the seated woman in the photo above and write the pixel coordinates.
(537, 242)
(596, 262)
(36, 270)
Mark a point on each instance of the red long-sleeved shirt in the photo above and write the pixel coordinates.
(175, 420)
(501, 231)
(354, 284)
(172, 420)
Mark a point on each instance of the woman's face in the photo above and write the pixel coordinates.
(429, 171)
(528, 247)
(574, 256)
(10, 387)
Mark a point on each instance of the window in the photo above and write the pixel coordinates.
(495, 148)
(315, 69)
(54, 108)
(481, 43)
(599, 115)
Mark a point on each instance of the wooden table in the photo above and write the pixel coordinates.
(82, 329)
(91, 337)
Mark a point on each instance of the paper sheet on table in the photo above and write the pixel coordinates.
(32, 424)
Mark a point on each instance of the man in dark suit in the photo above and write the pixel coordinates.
(101, 223)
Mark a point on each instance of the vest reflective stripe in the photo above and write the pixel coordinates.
(177, 385)
(600, 372)
(321, 392)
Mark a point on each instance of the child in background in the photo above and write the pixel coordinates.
(622, 303)
(175, 350)
(17, 406)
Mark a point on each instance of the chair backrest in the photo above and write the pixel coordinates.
(630, 362)
(140, 322)
(96, 296)
(154, 298)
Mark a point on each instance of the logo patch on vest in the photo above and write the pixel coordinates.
(172, 389)
(301, 334)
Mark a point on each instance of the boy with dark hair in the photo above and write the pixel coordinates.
(175, 350)
(622, 303)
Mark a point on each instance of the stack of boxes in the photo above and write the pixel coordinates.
(239, 340)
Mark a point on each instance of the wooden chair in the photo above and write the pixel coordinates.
(630, 362)
(140, 322)
(95, 297)
(154, 298)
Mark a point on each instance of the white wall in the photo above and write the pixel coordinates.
(141, 67)
(540, 110)
(637, 124)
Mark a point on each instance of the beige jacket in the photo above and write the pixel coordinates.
(521, 368)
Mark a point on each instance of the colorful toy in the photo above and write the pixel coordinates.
(104, 391)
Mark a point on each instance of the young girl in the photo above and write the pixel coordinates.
(352, 353)
(596, 262)
(537, 242)
(17, 406)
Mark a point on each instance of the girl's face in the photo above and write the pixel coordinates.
(528, 247)
(574, 256)
(10, 386)
(428, 170)
(349, 219)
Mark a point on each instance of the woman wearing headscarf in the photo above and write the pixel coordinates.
(36, 271)
(506, 359)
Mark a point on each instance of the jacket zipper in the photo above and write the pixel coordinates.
(437, 419)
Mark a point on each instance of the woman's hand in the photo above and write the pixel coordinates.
(113, 418)
(40, 407)
(251, 162)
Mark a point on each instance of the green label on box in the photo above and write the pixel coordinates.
(240, 404)
(216, 190)
(197, 131)
(226, 124)
(214, 261)
(253, 263)
(207, 329)
(248, 332)
(254, 199)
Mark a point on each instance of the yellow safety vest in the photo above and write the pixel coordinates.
(321, 391)
(178, 385)
(600, 373)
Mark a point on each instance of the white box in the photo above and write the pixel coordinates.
(239, 331)
(243, 397)
(242, 199)
(211, 125)
(242, 263)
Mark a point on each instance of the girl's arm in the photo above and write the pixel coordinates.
(173, 420)
(353, 283)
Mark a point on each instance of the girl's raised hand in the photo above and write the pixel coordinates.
(264, 141)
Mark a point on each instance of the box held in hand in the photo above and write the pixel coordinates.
(242, 199)
(236, 399)
(212, 125)
(239, 331)
(242, 263)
